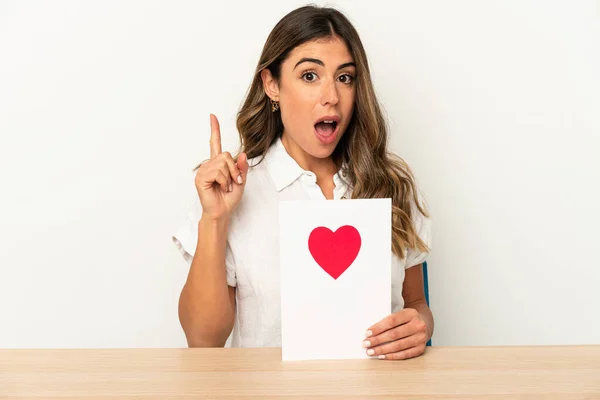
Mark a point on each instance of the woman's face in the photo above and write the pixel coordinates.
(316, 96)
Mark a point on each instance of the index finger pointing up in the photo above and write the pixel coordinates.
(215, 137)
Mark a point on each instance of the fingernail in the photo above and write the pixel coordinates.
(370, 352)
(366, 343)
(369, 333)
(240, 180)
(381, 356)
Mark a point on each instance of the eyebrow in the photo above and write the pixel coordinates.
(321, 63)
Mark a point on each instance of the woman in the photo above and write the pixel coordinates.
(310, 128)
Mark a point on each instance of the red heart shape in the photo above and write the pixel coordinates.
(334, 252)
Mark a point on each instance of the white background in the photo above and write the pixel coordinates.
(104, 111)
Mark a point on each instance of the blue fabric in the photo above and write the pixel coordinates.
(426, 287)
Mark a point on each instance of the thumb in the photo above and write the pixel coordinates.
(242, 164)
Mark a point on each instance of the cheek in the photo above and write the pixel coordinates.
(297, 106)
(301, 98)
(350, 98)
(348, 105)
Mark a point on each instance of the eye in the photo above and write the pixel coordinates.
(309, 76)
(346, 78)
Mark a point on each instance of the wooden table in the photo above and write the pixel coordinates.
(565, 372)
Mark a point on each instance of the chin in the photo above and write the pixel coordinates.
(320, 150)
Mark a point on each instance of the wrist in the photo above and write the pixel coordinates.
(213, 223)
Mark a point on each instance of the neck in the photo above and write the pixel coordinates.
(323, 168)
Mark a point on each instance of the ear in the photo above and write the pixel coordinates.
(270, 85)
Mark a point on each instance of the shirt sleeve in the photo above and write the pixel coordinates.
(422, 226)
(185, 239)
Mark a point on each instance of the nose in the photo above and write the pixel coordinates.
(329, 93)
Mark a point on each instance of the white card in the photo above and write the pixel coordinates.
(325, 312)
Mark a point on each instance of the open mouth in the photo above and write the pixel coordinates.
(326, 128)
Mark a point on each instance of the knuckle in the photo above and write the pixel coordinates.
(397, 346)
(416, 341)
(402, 344)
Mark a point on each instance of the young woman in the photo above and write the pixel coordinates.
(310, 128)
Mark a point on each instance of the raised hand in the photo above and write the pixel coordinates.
(220, 181)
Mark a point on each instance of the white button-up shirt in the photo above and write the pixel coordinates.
(252, 255)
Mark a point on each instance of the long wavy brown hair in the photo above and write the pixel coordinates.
(371, 170)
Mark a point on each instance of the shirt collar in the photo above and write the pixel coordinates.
(284, 170)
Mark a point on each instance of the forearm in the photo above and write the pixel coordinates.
(206, 311)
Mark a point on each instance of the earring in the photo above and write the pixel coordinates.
(274, 105)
